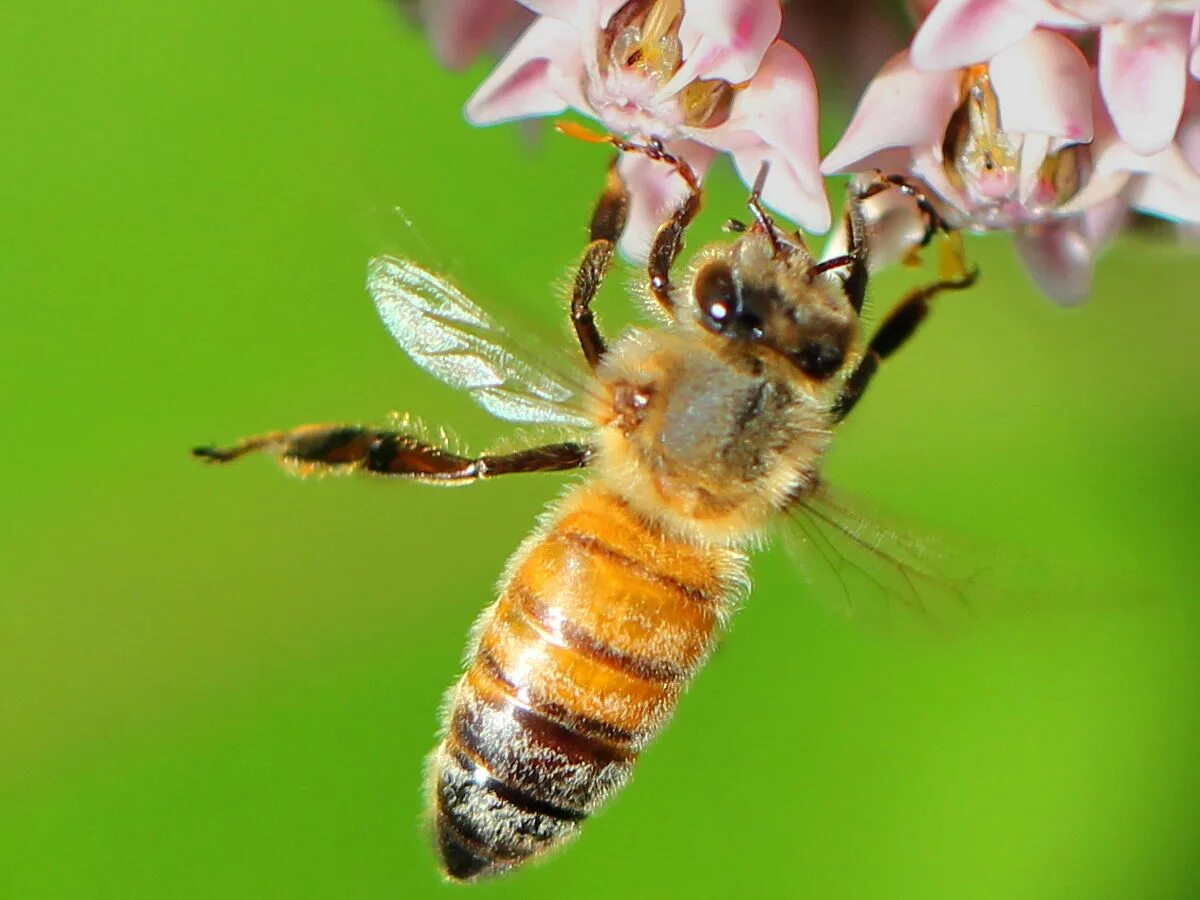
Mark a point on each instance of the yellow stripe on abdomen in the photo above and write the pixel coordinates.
(601, 623)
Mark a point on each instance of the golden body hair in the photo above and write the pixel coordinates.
(695, 434)
(611, 607)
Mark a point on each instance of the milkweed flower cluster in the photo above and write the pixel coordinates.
(705, 79)
(1049, 119)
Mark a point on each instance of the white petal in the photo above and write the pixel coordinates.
(962, 32)
(1143, 76)
(774, 119)
(1169, 185)
(927, 166)
(1158, 195)
(580, 13)
(901, 107)
(1059, 257)
(534, 77)
(1102, 186)
(1043, 84)
(567, 10)
(1033, 153)
(725, 39)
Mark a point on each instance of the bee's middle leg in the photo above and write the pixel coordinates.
(382, 452)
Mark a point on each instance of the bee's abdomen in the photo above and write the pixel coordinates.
(600, 625)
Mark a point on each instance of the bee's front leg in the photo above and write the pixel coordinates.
(608, 221)
(668, 240)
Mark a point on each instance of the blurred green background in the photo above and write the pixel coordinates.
(222, 682)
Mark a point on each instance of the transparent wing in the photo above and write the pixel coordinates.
(453, 339)
(890, 576)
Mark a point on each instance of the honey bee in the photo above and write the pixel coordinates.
(695, 436)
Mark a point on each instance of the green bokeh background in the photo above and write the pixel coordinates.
(223, 682)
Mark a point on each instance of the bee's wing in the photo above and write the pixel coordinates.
(456, 341)
(885, 576)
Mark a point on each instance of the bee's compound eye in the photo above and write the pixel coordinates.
(717, 298)
(819, 359)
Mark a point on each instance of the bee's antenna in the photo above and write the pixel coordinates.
(761, 217)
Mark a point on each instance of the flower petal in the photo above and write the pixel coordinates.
(774, 120)
(1163, 198)
(1100, 187)
(1061, 253)
(1143, 75)
(1034, 149)
(1189, 138)
(1043, 85)
(901, 107)
(725, 39)
(655, 190)
(567, 10)
(1169, 185)
(962, 32)
(928, 166)
(535, 77)
(580, 13)
(1170, 164)
(1059, 257)
(459, 30)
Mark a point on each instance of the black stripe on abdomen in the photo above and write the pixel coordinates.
(536, 755)
(485, 826)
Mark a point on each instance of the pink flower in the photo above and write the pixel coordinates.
(1060, 252)
(460, 30)
(1143, 51)
(1001, 143)
(1165, 184)
(1009, 146)
(707, 78)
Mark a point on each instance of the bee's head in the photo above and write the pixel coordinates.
(766, 291)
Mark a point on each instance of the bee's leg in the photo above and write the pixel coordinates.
(854, 261)
(607, 223)
(351, 448)
(877, 182)
(861, 189)
(668, 240)
(897, 328)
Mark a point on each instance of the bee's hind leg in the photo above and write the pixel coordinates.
(353, 448)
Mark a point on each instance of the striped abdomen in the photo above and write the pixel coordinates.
(601, 622)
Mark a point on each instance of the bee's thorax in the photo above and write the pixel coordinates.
(708, 443)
